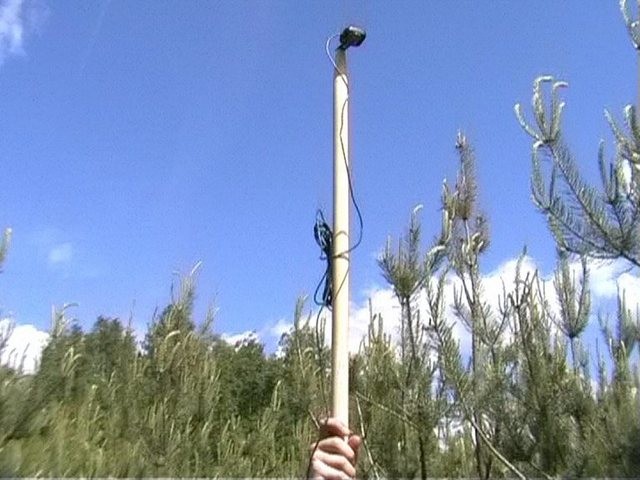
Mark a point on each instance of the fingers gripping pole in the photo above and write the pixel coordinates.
(340, 264)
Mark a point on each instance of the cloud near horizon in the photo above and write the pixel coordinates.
(24, 345)
(608, 280)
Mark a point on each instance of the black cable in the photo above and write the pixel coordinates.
(324, 238)
(348, 169)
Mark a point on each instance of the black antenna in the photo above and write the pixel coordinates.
(352, 36)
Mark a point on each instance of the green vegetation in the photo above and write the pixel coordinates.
(186, 403)
(523, 402)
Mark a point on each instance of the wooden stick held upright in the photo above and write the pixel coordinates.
(340, 263)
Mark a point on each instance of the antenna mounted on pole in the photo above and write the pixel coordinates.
(352, 36)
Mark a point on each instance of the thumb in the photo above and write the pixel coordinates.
(354, 442)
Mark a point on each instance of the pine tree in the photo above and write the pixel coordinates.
(408, 271)
(587, 222)
(600, 223)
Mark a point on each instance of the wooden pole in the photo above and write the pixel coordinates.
(340, 261)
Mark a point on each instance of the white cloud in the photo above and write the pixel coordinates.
(630, 285)
(18, 18)
(11, 28)
(603, 276)
(281, 327)
(24, 346)
(62, 253)
(495, 285)
(383, 302)
(608, 279)
(240, 338)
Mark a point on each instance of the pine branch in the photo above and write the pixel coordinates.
(582, 219)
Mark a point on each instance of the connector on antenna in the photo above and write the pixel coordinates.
(352, 36)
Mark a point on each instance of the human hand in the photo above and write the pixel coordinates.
(334, 456)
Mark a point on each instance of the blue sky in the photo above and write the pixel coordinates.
(139, 138)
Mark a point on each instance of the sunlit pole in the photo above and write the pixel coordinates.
(340, 264)
(350, 37)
